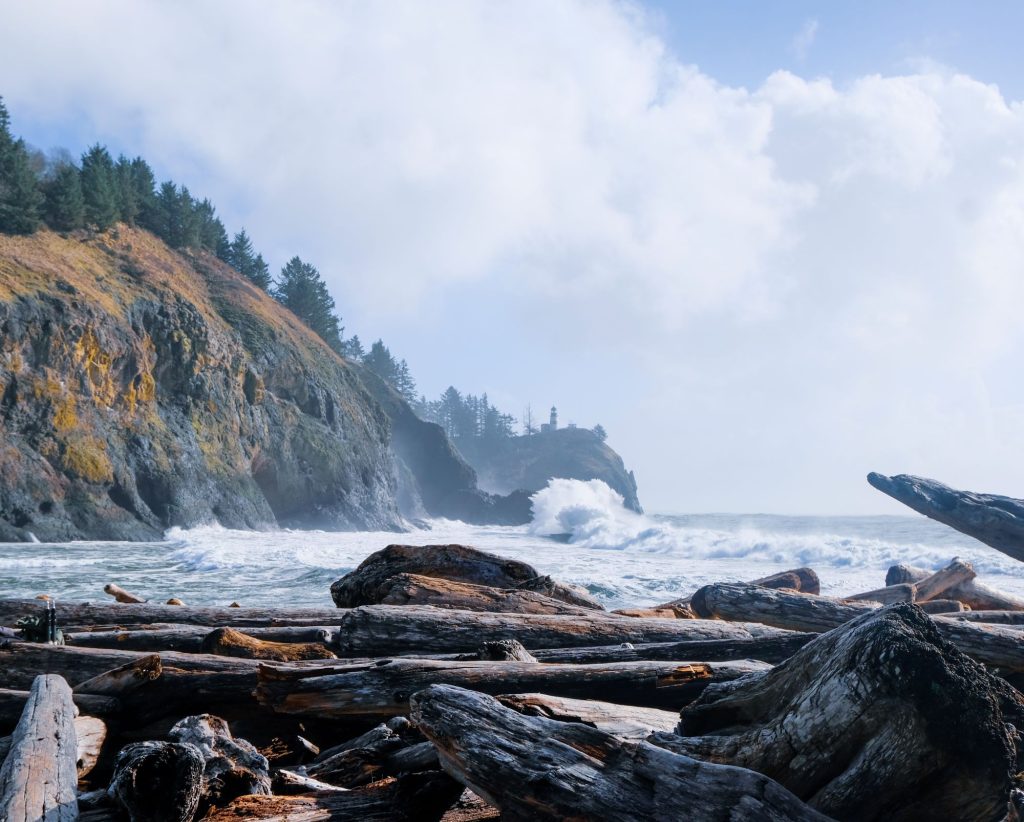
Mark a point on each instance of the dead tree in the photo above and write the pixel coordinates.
(879, 719)
(534, 768)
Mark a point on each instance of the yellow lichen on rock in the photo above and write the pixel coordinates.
(86, 457)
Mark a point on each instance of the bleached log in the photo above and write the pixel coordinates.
(381, 690)
(975, 594)
(1005, 618)
(624, 721)
(415, 589)
(121, 595)
(880, 719)
(888, 595)
(766, 649)
(112, 613)
(13, 702)
(229, 642)
(540, 769)
(380, 630)
(954, 574)
(90, 736)
(991, 644)
(39, 775)
(458, 563)
(123, 679)
(289, 783)
(420, 797)
(663, 612)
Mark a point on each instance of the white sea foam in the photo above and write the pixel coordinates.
(622, 557)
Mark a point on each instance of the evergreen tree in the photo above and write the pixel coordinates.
(99, 188)
(243, 257)
(404, 383)
(144, 190)
(20, 197)
(166, 217)
(600, 433)
(127, 197)
(353, 348)
(64, 207)
(301, 289)
(188, 219)
(379, 360)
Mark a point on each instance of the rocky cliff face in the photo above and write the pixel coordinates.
(141, 389)
(529, 462)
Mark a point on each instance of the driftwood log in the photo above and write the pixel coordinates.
(419, 797)
(881, 719)
(415, 589)
(505, 650)
(991, 644)
(383, 689)
(39, 775)
(13, 702)
(380, 630)
(927, 587)
(995, 520)
(389, 749)
(975, 594)
(229, 642)
(187, 638)
(158, 781)
(123, 679)
(796, 579)
(112, 613)
(458, 563)
(624, 721)
(121, 595)
(535, 768)
(90, 736)
(766, 649)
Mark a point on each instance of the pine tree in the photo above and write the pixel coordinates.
(600, 433)
(127, 198)
(20, 197)
(166, 217)
(99, 188)
(243, 257)
(379, 360)
(404, 383)
(64, 208)
(301, 289)
(188, 218)
(353, 348)
(144, 190)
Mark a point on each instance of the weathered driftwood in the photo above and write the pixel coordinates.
(174, 601)
(942, 606)
(663, 612)
(158, 781)
(796, 579)
(13, 702)
(995, 520)
(112, 613)
(1006, 618)
(123, 679)
(879, 719)
(364, 759)
(416, 589)
(766, 649)
(956, 573)
(232, 767)
(90, 735)
(540, 769)
(121, 595)
(419, 797)
(991, 644)
(889, 595)
(39, 775)
(187, 638)
(229, 642)
(289, 783)
(458, 563)
(383, 689)
(380, 630)
(975, 594)
(624, 721)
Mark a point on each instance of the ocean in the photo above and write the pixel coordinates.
(580, 534)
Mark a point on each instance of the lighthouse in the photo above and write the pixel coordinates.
(552, 424)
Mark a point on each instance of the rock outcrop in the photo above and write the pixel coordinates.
(995, 520)
(141, 388)
(528, 462)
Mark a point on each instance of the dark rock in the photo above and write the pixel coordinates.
(995, 520)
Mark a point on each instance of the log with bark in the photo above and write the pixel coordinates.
(505, 650)
(382, 689)
(369, 757)
(796, 579)
(975, 594)
(990, 644)
(419, 797)
(624, 721)
(663, 612)
(229, 642)
(997, 521)
(458, 563)
(1008, 619)
(535, 768)
(878, 719)
(188, 638)
(39, 775)
(158, 781)
(381, 630)
(888, 595)
(112, 613)
(416, 589)
(123, 679)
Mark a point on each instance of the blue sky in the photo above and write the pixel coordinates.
(770, 247)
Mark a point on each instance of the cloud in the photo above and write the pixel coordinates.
(804, 39)
(820, 277)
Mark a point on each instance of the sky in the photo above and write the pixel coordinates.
(770, 247)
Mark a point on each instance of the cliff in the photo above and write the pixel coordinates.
(528, 462)
(141, 388)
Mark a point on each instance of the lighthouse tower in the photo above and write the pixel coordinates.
(553, 424)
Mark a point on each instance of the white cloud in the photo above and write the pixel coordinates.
(804, 39)
(810, 276)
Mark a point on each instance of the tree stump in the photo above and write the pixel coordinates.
(158, 781)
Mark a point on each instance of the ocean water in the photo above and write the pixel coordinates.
(580, 534)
